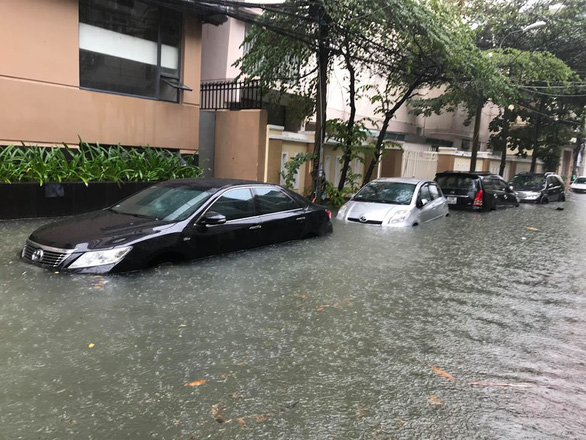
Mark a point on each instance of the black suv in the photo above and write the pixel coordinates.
(475, 190)
(539, 188)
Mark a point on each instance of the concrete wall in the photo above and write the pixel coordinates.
(241, 140)
(274, 161)
(207, 139)
(39, 86)
(221, 48)
(391, 163)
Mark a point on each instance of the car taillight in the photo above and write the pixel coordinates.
(478, 199)
(329, 213)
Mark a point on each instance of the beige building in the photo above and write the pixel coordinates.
(106, 71)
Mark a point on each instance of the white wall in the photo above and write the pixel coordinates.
(220, 50)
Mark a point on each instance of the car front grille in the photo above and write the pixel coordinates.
(366, 222)
(45, 255)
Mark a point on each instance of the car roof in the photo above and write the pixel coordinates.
(466, 173)
(411, 180)
(205, 184)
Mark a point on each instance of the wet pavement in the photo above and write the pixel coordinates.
(473, 326)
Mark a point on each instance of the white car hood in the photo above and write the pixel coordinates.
(579, 186)
(376, 212)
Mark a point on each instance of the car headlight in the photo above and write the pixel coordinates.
(100, 258)
(399, 216)
(342, 211)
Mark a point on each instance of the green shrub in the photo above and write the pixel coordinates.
(92, 163)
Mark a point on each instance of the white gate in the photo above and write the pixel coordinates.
(419, 164)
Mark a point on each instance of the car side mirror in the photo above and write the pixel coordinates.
(212, 218)
(511, 188)
(421, 203)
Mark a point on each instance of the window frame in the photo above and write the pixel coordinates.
(160, 75)
(228, 190)
(270, 188)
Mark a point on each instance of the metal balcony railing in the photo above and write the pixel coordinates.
(231, 95)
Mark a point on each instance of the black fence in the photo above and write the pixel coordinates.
(224, 95)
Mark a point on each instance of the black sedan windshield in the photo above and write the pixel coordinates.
(386, 192)
(535, 182)
(164, 202)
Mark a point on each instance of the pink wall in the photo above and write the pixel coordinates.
(39, 86)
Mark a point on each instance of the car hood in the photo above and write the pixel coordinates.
(373, 212)
(97, 230)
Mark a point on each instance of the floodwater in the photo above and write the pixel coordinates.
(473, 326)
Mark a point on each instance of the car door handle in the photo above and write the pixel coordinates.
(300, 219)
(255, 227)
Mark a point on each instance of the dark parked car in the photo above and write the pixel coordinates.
(176, 220)
(539, 188)
(477, 191)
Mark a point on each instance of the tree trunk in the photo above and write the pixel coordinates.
(476, 135)
(505, 136)
(536, 135)
(349, 141)
(381, 136)
(378, 149)
(577, 150)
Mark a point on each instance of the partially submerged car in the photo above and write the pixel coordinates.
(395, 202)
(176, 220)
(477, 191)
(579, 184)
(539, 188)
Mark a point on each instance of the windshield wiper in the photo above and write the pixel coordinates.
(132, 214)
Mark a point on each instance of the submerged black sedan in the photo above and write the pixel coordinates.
(177, 220)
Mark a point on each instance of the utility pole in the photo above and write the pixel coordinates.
(317, 10)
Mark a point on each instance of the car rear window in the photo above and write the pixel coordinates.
(466, 183)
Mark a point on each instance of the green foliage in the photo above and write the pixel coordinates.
(292, 167)
(92, 163)
(336, 197)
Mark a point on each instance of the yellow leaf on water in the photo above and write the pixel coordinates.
(262, 417)
(195, 383)
(435, 400)
(531, 228)
(92, 345)
(442, 373)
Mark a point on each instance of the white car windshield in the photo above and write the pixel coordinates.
(580, 180)
(386, 192)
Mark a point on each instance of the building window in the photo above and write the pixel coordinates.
(130, 47)
(465, 144)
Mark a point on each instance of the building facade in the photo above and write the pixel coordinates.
(107, 71)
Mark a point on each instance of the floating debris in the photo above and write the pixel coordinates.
(434, 400)
(442, 373)
(499, 384)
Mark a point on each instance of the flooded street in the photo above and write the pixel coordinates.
(473, 326)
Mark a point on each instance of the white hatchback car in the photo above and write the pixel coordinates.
(579, 184)
(396, 202)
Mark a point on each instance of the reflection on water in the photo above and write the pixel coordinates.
(331, 338)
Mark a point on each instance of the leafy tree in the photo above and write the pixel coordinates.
(546, 93)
